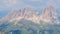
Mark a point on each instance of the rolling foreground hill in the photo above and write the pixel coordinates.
(28, 21)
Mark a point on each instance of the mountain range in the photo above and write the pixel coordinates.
(49, 15)
(30, 21)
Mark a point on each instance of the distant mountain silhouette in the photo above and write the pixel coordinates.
(30, 21)
(48, 15)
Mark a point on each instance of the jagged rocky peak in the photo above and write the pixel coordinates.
(50, 11)
(26, 13)
(49, 14)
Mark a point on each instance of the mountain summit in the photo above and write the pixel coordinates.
(48, 15)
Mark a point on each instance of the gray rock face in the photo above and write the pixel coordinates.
(27, 21)
(48, 15)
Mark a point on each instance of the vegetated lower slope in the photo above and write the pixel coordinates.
(26, 25)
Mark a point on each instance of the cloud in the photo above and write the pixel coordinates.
(2, 7)
(34, 0)
(54, 3)
(10, 2)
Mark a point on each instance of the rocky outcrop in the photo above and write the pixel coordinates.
(48, 15)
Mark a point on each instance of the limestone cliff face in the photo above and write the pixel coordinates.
(48, 15)
(26, 13)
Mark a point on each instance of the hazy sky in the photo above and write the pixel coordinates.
(7, 5)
